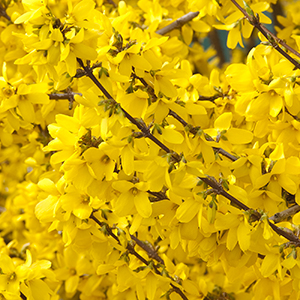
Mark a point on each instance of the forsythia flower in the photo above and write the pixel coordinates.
(133, 196)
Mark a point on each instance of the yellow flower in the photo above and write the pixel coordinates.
(25, 99)
(36, 10)
(76, 47)
(100, 162)
(129, 58)
(76, 203)
(14, 274)
(133, 196)
(71, 267)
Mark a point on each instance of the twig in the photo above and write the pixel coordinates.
(289, 236)
(194, 130)
(149, 249)
(81, 73)
(218, 189)
(215, 40)
(3, 13)
(110, 232)
(112, 3)
(283, 215)
(212, 182)
(178, 23)
(145, 130)
(69, 96)
(158, 195)
(151, 253)
(212, 98)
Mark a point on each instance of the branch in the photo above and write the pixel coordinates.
(158, 196)
(112, 3)
(151, 253)
(215, 40)
(218, 189)
(149, 249)
(283, 215)
(68, 95)
(81, 73)
(145, 130)
(130, 248)
(3, 13)
(212, 98)
(289, 236)
(194, 130)
(178, 23)
(272, 38)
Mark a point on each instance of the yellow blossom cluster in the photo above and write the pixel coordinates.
(134, 165)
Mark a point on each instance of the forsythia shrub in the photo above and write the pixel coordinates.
(135, 163)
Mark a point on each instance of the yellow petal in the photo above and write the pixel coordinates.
(47, 185)
(122, 185)
(84, 51)
(275, 105)
(195, 109)
(223, 122)
(151, 285)
(187, 34)
(187, 210)
(243, 234)
(71, 284)
(200, 26)
(143, 204)
(26, 110)
(270, 264)
(239, 136)
(287, 183)
(172, 136)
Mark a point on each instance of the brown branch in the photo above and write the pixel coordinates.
(289, 236)
(212, 182)
(144, 129)
(112, 3)
(108, 229)
(68, 95)
(149, 249)
(283, 215)
(178, 23)
(194, 130)
(218, 189)
(215, 40)
(3, 13)
(158, 196)
(151, 253)
(81, 73)
(212, 98)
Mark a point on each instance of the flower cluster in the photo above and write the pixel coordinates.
(135, 166)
